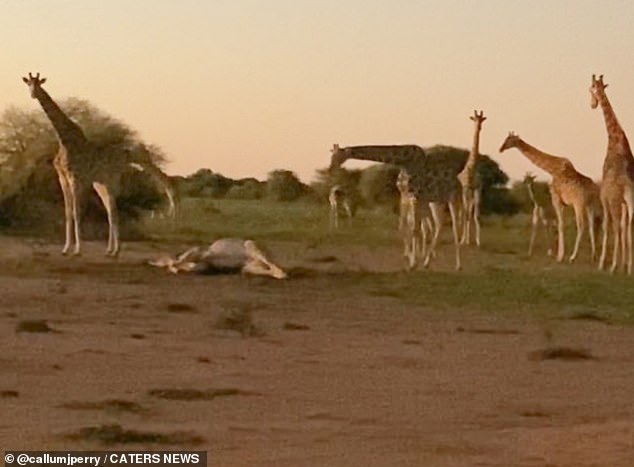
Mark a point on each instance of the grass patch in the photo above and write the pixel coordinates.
(195, 394)
(108, 435)
(238, 317)
(561, 353)
(181, 308)
(295, 327)
(39, 325)
(110, 405)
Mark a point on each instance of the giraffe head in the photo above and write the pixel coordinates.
(478, 118)
(529, 179)
(339, 156)
(596, 89)
(511, 141)
(402, 181)
(34, 83)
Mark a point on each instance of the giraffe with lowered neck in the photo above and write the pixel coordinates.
(541, 215)
(430, 180)
(160, 178)
(568, 188)
(471, 187)
(617, 185)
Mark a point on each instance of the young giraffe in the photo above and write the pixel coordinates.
(413, 213)
(617, 186)
(568, 188)
(471, 187)
(338, 199)
(429, 180)
(164, 182)
(80, 166)
(540, 215)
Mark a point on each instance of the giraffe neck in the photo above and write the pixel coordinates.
(475, 151)
(544, 161)
(616, 135)
(68, 132)
(398, 155)
(162, 180)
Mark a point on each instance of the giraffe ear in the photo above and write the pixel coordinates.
(43, 80)
(25, 80)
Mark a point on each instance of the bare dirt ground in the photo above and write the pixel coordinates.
(139, 359)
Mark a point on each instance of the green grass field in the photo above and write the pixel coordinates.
(499, 278)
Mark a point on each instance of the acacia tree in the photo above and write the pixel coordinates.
(29, 192)
(284, 185)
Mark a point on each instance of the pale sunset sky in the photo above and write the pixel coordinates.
(247, 86)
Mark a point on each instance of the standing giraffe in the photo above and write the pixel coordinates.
(471, 185)
(617, 186)
(412, 213)
(568, 188)
(541, 215)
(338, 199)
(429, 180)
(80, 166)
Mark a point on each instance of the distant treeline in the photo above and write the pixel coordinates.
(30, 196)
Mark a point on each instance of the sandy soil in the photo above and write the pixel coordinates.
(325, 379)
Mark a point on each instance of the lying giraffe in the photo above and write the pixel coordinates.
(338, 199)
(224, 256)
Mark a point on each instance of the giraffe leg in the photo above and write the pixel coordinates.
(348, 209)
(466, 224)
(437, 215)
(593, 247)
(464, 218)
(605, 225)
(456, 238)
(476, 215)
(628, 231)
(559, 208)
(615, 214)
(68, 211)
(75, 206)
(534, 226)
(581, 225)
(259, 263)
(413, 234)
(110, 204)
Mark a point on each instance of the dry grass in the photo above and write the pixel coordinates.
(39, 325)
(108, 435)
(561, 353)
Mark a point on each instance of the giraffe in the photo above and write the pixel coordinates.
(413, 213)
(430, 180)
(541, 215)
(225, 255)
(471, 186)
(164, 182)
(568, 188)
(617, 185)
(81, 165)
(338, 199)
